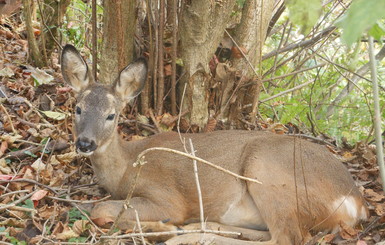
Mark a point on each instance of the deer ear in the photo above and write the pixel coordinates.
(74, 68)
(131, 80)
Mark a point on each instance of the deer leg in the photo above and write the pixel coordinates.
(151, 216)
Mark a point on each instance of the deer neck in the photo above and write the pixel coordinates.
(113, 161)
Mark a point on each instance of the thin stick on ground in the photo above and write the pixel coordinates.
(140, 161)
(9, 118)
(6, 206)
(139, 226)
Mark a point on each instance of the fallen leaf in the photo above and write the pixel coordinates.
(80, 226)
(10, 138)
(63, 158)
(327, 238)
(361, 242)
(66, 234)
(4, 168)
(347, 232)
(380, 209)
(373, 196)
(6, 72)
(38, 165)
(54, 115)
(40, 76)
(40, 194)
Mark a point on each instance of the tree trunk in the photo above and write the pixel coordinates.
(201, 30)
(250, 35)
(118, 38)
(33, 50)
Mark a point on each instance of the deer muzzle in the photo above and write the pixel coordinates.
(85, 146)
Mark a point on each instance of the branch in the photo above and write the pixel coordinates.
(377, 113)
(357, 76)
(140, 161)
(169, 233)
(201, 211)
(305, 43)
(287, 91)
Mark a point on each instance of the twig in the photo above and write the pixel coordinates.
(148, 234)
(94, 40)
(13, 193)
(201, 211)
(173, 56)
(41, 158)
(2, 207)
(180, 116)
(287, 91)
(160, 59)
(326, 32)
(139, 226)
(29, 181)
(9, 118)
(246, 58)
(23, 209)
(78, 201)
(87, 217)
(46, 26)
(312, 138)
(140, 161)
(157, 127)
(288, 74)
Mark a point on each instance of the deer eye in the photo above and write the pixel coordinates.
(111, 117)
(78, 111)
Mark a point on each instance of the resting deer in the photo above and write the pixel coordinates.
(320, 196)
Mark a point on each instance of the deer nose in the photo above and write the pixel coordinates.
(85, 145)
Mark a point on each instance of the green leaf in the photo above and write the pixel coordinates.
(240, 3)
(28, 204)
(78, 239)
(360, 17)
(54, 115)
(75, 214)
(30, 154)
(377, 31)
(304, 13)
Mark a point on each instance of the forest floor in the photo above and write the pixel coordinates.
(43, 182)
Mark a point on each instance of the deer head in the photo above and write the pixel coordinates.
(98, 105)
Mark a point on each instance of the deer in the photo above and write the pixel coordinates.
(304, 188)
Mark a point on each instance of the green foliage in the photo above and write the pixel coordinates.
(74, 214)
(78, 239)
(77, 23)
(304, 13)
(360, 17)
(377, 31)
(30, 154)
(240, 3)
(14, 240)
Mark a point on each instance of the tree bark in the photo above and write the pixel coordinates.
(201, 30)
(118, 38)
(250, 36)
(33, 50)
